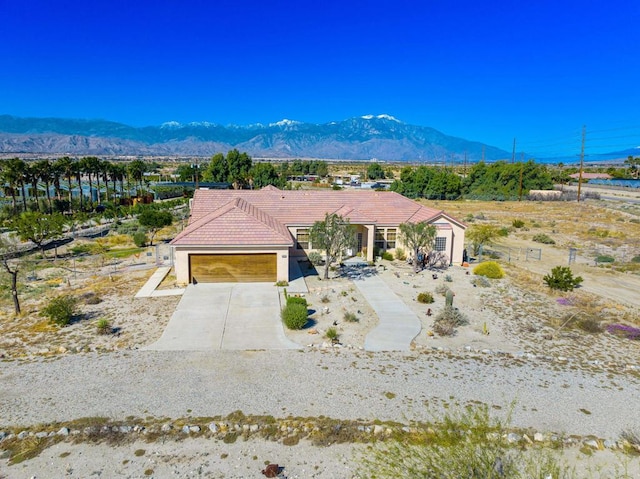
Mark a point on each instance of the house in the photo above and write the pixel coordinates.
(252, 235)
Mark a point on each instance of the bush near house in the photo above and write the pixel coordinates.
(425, 298)
(294, 315)
(296, 300)
(489, 269)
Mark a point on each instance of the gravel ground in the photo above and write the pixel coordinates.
(550, 397)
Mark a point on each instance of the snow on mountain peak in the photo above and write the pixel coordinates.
(285, 122)
(171, 124)
(380, 117)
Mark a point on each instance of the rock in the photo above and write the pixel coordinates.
(538, 437)
(610, 444)
(23, 434)
(166, 428)
(512, 438)
(42, 434)
(486, 351)
(62, 350)
(125, 429)
(377, 429)
(562, 359)
(591, 443)
(2, 435)
(213, 427)
(185, 429)
(467, 348)
(194, 429)
(254, 428)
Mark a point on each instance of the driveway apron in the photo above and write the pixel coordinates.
(241, 316)
(398, 324)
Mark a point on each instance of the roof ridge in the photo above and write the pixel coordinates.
(262, 216)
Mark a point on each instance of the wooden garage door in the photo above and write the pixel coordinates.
(232, 268)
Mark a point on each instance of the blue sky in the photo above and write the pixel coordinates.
(491, 71)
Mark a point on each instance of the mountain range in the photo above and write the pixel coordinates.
(381, 137)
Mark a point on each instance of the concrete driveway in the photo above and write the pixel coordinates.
(236, 316)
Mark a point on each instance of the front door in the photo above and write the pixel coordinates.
(359, 236)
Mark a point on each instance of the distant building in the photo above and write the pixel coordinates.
(591, 176)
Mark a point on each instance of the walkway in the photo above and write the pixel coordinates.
(235, 316)
(148, 290)
(398, 324)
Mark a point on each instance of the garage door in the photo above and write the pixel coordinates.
(232, 268)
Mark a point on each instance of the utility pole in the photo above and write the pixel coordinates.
(520, 187)
(584, 134)
(513, 154)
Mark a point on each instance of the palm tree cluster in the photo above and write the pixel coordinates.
(63, 176)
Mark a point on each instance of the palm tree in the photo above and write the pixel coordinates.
(44, 170)
(67, 167)
(88, 167)
(136, 169)
(14, 174)
(32, 176)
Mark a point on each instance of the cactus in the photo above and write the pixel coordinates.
(449, 298)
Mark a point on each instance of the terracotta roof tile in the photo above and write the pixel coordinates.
(250, 216)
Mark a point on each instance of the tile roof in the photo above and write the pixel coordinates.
(235, 223)
(222, 217)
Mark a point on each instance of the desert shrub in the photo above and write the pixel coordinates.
(589, 324)
(464, 444)
(91, 298)
(562, 279)
(401, 255)
(332, 333)
(350, 317)
(386, 255)
(103, 326)
(543, 238)
(481, 281)
(61, 310)
(517, 223)
(604, 258)
(84, 248)
(489, 269)
(282, 283)
(446, 322)
(325, 299)
(503, 232)
(448, 278)
(425, 298)
(442, 289)
(296, 300)
(315, 258)
(636, 259)
(140, 238)
(294, 316)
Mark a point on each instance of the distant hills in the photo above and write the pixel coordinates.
(381, 137)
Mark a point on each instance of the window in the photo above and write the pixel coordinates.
(441, 243)
(302, 238)
(379, 238)
(391, 238)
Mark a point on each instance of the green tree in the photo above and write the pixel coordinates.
(375, 171)
(333, 235)
(481, 235)
(263, 174)
(418, 237)
(44, 171)
(39, 228)
(154, 220)
(239, 165)
(634, 166)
